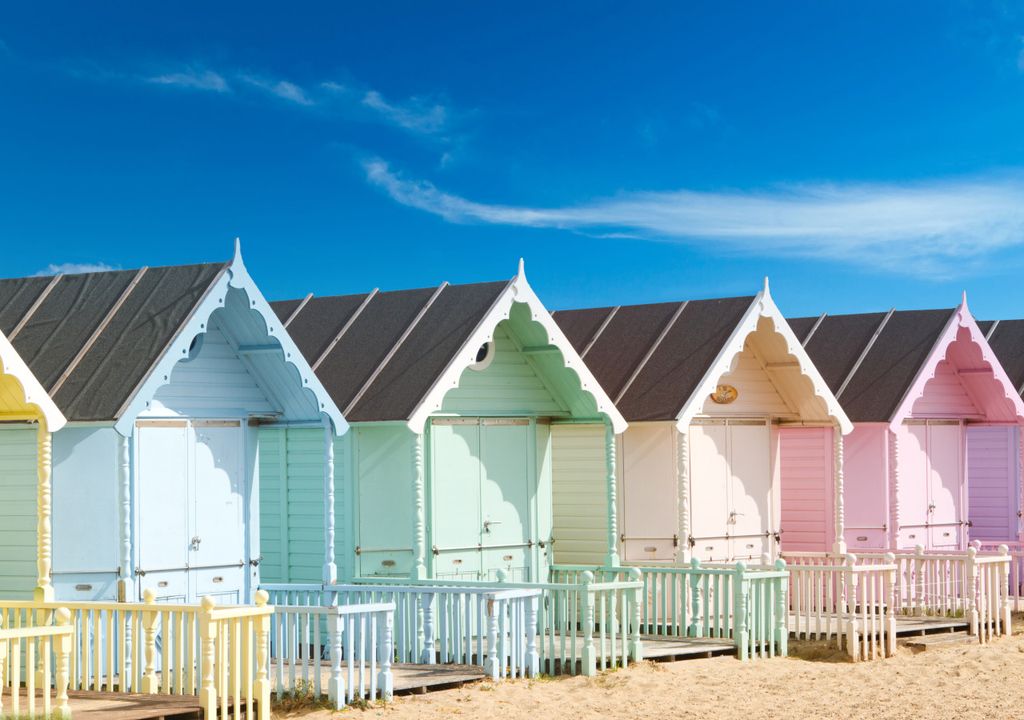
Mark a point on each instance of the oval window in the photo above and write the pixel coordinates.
(484, 356)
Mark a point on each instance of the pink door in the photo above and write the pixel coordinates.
(650, 515)
(992, 470)
(912, 466)
(805, 463)
(945, 484)
(866, 487)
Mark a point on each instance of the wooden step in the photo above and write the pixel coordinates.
(925, 642)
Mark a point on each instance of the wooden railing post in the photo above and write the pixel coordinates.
(428, 656)
(261, 688)
(636, 647)
(208, 646)
(62, 651)
(890, 600)
(492, 664)
(740, 594)
(150, 683)
(532, 655)
(852, 631)
(336, 684)
(385, 678)
(589, 656)
(695, 629)
(781, 610)
(1004, 588)
(919, 596)
(971, 589)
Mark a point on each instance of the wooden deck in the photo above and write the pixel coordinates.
(670, 649)
(115, 706)
(905, 625)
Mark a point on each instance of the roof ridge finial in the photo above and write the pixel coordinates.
(522, 268)
(765, 290)
(238, 251)
(963, 299)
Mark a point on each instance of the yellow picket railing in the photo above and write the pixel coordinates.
(20, 648)
(217, 653)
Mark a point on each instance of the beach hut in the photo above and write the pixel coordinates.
(930, 402)
(994, 453)
(732, 431)
(480, 441)
(165, 375)
(28, 417)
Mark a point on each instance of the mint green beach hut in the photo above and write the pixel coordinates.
(479, 442)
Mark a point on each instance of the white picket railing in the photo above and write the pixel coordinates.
(354, 640)
(495, 628)
(852, 602)
(216, 653)
(1015, 581)
(25, 648)
(943, 584)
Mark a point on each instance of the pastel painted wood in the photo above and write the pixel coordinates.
(459, 397)
(730, 443)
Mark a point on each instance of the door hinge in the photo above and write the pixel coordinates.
(691, 541)
(675, 540)
(435, 550)
(139, 572)
(255, 562)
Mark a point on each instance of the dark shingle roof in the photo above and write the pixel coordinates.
(692, 336)
(418, 332)
(1008, 344)
(886, 372)
(91, 338)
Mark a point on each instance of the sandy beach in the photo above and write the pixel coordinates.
(962, 681)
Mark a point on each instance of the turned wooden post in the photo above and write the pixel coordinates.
(336, 684)
(208, 648)
(150, 683)
(971, 589)
(589, 655)
(428, 656)
(1004, 588)
(532, 656)
(385, 678)
(852, 629)
(636, 646)
(696, 628)
(261, 688)
(890, 599)
(62, 650)
(781, 609)
(492, 665)
(919, 581)
(740, 592)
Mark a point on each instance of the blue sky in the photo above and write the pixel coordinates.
(863, 155)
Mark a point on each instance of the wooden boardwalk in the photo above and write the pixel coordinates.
(906, 625)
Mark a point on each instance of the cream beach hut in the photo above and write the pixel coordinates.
(165, 375)
(732, 431)
(480, 441)
(931, 405)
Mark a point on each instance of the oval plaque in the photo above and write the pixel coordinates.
(724, 394)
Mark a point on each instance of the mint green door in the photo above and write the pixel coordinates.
(481, 495)
(505, 491)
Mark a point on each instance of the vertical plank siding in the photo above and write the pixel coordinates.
(993, 491)
(18, 511)
(805, 460)
(580, 506)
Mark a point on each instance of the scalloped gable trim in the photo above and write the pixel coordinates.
(35, 395)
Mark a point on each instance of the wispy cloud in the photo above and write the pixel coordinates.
(74, 268)
(416, 114)
(925, 228)
(282, 89)
(193, 79)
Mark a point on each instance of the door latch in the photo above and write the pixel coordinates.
(195, 542)
(931, 507)
(732, 517)
(488, 523)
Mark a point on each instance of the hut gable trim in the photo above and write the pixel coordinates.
(232, 275)
(518, 290)
(763, 306)
(960, 319)
(36, 400)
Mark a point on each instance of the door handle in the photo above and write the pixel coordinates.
(488, 523)
(733, 515)
(931, 507)
(194, 545)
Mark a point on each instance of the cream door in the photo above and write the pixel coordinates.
(709, 491)
(750, 490)
(650, 518)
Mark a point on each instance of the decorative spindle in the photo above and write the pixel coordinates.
(683, 496)
(385, 678)
(839, 489)
(612, 560)
(419, 570)
(428, 656)
(150, 683)
(261, 688)
(124, 507)
(492, 664)
(894, 488)
(330, 573)
(63, 661)
(636, 649)
(781, 609)
(208, 647)
(44, 529)
(532, 655)
(336, 684)
(589, 655)
(741, 620)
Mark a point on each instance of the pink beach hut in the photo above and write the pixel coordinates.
(934, 416)
(732, 431)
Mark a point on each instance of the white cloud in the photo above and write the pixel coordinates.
(74, 268)
(924, 228)
(416, 114)
(193, 79)
(281, 88)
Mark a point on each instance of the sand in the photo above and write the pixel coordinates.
(962, 681)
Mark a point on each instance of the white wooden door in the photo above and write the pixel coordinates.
(945, 484)
(162, 473)
(218, 534)
(505, 498)
(650, 517)
(912, 467)
(750, 489)
(709, 490)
